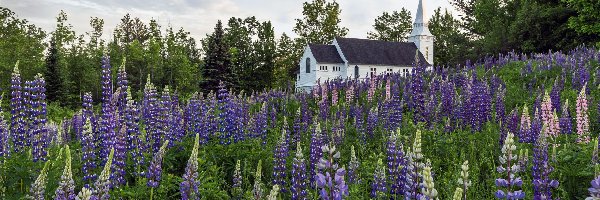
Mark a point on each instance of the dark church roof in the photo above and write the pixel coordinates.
(325, 53)
(368, 52)
(377, 52)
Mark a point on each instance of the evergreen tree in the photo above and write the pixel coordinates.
(451, 46)
(217, 62)
(52, 73)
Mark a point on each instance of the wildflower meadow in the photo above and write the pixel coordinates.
(511, 126)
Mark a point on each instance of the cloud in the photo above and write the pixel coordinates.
(199, 16)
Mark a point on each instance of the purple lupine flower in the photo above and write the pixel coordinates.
(542, 184)
(395, 112)
(164, 118)
(395, 164)
(135, 145)
(17, 121)
(583, 122)
(372, 122)
(298, 127)
(298, 187)
(279, 162)
(595, 189)
(330, 177)
(151, 113)
(509, 168)
(39, 186)
(353, 167)
(4, 134)
(379, 185)
(447, 95)
(189, 187)
(66, 187)
(417, 98)
(555, 96)
(154, 172)
(107, 125)
(103, 185)
(88, 149)
(38, 131)
(88, 113)
(123, 89)
(525, 129)
(315, 150)
(227, 116)
(117, 176)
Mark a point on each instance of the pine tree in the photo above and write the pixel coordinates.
(52, 73)
(217, 61)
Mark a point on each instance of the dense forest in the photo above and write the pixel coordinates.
(246, 55)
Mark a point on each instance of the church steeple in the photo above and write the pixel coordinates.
(420, 24)
(421, 36)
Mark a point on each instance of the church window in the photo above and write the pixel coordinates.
(356, 71)
(307, 65)
(389, 71)
(373, 72)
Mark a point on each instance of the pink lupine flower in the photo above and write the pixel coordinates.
(371, 91)
(548, 117)
(525, 122)
(388, 93)
(583, 122)
(350, 94)
(334, 95)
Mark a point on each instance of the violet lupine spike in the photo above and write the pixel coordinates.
(583, 123)
(315, 151)
(66, 187)
(555, 96)
(330, 178)
(4, 134)
(394, 161)
(298, 187)
(38, 130)
(117, 176)
(135, 144)
(103, 185)
(106, 127)
(372, 122)
(154, 172)
(279, 162)
(508, 169)
(151, 113)
(88, 149)
(164, 118)
(17, 121)
(226, 116)
(542, 184)
(379, 184)
(189, 187)
(525, 128)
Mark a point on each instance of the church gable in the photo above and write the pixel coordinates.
(325, 53)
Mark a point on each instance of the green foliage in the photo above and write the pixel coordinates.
(451, 45)
(392, 27)
(320, 24)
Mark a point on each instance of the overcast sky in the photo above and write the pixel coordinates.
(200, 16)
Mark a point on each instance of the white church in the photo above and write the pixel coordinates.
(363, 58)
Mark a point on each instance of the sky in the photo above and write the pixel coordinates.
(200, 16)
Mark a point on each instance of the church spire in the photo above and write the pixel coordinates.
(420, 24)
(419, 16)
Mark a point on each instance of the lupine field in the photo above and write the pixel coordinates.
(507, 127)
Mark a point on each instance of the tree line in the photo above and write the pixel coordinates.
(245, 54)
